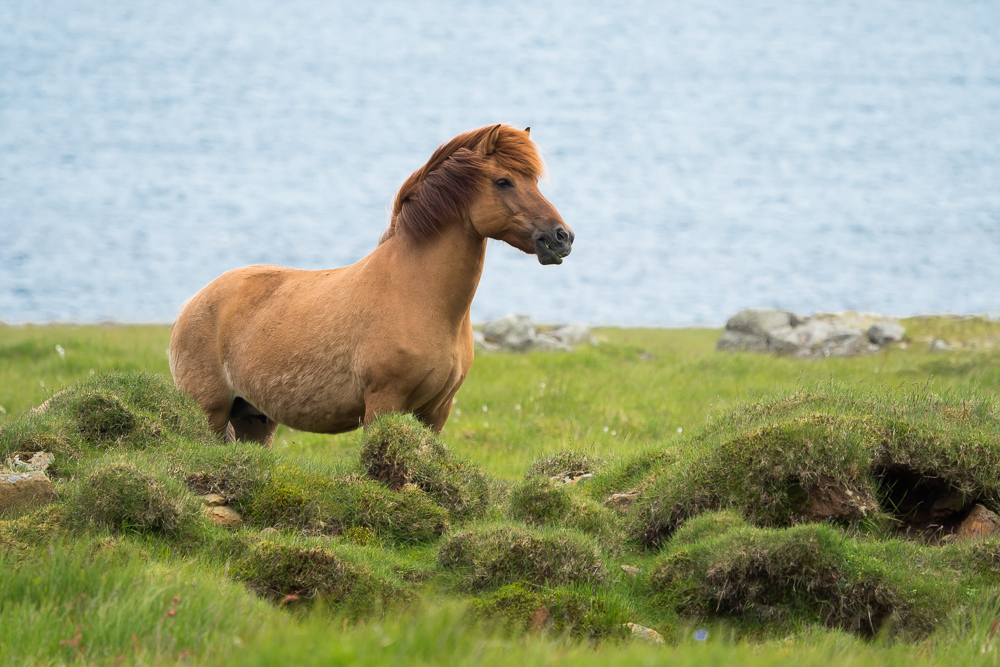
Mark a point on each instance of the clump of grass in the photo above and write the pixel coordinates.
(563, 610)
(113, 412)
(33, 529)
(287, 572)
(397, 450)
(566, 461)
(291, 497)
(233, 470)
(123, 498)
(776, 580)
(842, 455)
(269, 492)
(542, 502)
(502, 554)
(102, 416)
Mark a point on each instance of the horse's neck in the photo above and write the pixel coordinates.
(439, 274)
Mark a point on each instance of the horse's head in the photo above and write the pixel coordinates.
(510, 207)
(488, 179)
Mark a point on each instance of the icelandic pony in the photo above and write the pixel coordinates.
(326, 351)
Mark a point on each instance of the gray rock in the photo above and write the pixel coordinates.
(512, 332)
(479, 340)
(573, 334)
(737, 341)
(36, 461)
(810, 334)
(847, 343)
(885, 333)
(546, 342)
(785, 333)
(760, 321)
(516, 333)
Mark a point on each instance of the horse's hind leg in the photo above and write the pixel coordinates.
(248, 424)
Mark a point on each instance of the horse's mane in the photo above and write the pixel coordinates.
(442, 189)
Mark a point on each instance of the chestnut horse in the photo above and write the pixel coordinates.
(326, 351)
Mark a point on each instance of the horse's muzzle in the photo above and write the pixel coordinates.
(553, 244)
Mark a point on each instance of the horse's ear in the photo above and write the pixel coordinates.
(527, 131)
(490, 142)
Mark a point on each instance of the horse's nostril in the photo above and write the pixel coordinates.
(562, 236)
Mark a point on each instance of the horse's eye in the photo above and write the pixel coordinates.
(504, 183)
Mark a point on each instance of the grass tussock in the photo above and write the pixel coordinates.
(778, 580)
(42, 526)
(489, 556)
(117, 412)
(296, 498)
(292, 573)
(120, 497)
(540, 501)
(398, 450)
(567, 611)
(569, 461)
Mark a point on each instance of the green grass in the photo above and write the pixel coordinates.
(396, 545)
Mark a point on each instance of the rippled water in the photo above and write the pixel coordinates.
(710, 156)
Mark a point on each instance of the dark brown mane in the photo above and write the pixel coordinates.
(443, 188)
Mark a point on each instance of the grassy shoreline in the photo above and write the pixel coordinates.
(653, 411)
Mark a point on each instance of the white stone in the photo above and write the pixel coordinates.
(573, 334)
(512, 332)
(884, 333)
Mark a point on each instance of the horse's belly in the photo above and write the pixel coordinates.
(340, 422)
(308, 401)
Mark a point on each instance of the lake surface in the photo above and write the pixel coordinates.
(710, 156)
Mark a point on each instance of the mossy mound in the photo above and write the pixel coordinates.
(503, 554)
(565, 611)
(296, 498)
(120, 497)
(542, 502)
(27, 531)
(841, 455)
(234, 470)
(288, 573)
(780, 580)
(269, 492)
(398, 450)
(114, 412)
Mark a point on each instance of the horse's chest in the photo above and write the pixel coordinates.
(421, 379)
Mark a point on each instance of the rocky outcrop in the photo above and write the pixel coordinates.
(23, 482)
(516, 333)
(776, 331)
(23, 490)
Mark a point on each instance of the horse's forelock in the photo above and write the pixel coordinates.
(442, 189)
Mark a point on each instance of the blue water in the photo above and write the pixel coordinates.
(710, 156)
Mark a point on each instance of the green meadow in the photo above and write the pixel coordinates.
(749, 509)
